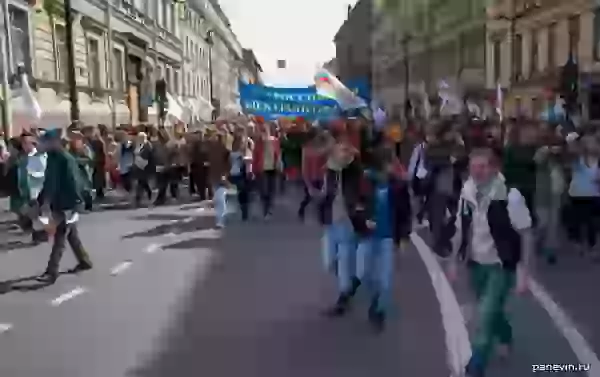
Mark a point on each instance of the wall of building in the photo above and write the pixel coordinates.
(533, 90)
(353, 43)
(438, 40)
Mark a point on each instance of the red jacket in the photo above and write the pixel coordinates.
(258, 154)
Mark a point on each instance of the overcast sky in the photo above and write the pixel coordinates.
(299, 31)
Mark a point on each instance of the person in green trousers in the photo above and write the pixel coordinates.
(493, 234)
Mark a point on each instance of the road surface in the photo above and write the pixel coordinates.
(171, 296)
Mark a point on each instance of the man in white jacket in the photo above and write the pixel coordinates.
(35, 166)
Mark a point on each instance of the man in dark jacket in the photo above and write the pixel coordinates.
(63, 193)
(382, 220)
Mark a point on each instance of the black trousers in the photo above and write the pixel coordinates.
(142, 186)
(169, 179)
(267, 181)
(242, 184)
(199, 175)
(584, 220)
(66, 233)
(307, 198)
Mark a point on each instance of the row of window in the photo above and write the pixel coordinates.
(535, 63)
(197, 52)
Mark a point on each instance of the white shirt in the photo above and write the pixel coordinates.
(482, 246)
(36, 168)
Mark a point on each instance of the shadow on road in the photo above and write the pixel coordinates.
(11, 245)
(256, 312)
(160, 217)
(177, 227)
(27, 283)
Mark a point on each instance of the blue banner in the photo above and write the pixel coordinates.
(271, 102)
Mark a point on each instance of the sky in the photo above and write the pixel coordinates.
(299, 31)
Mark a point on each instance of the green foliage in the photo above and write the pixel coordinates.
(54, 8)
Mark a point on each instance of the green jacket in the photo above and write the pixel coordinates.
(19, 196)
(63, 185)
(519, 166)
(85, 162)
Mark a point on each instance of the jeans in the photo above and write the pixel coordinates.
(339, 253)
(220, 202)
(375, 267)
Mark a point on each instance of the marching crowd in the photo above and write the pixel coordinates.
(493, 195)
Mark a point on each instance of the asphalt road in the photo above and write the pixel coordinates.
(170, 296)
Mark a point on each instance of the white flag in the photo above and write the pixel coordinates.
(499, 101)
(31, 107)
(174, 108)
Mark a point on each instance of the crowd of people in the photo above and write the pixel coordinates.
(491, 194)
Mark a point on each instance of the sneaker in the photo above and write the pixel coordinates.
(47, 278)
(340, 308)
(81, 267)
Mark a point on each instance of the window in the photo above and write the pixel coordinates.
(94, 63)
(518, 63)
(574, 35)
(168, 80)
(497, 58)
(551, 58)
(118, 70)
(534, 50)
(176, 82)
(188, 85)
(62, 58)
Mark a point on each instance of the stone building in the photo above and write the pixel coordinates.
(121, 52)
(527, 43)
(251, 69)
(353, 43)
(436, 40)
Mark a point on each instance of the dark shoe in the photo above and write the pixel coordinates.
(474, 368)
(376, 316)
(85, 266)
(355, 285)
(377, 320)
(47, 278)
(340, 308)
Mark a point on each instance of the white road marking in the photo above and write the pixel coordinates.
(458, 346)
(120, 268)
(188, 220)
(68, 296)
(4, 327)
(153, 248)
(566, 326)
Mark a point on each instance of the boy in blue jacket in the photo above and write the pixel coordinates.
(381, 220)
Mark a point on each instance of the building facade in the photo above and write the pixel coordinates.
(529, 41)
(418, 43)
(353, 43)
(251, 71)
(122, 48)
(196, 82)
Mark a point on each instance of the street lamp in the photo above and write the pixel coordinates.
(71, 77)
(210, 41)
(405, 44)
